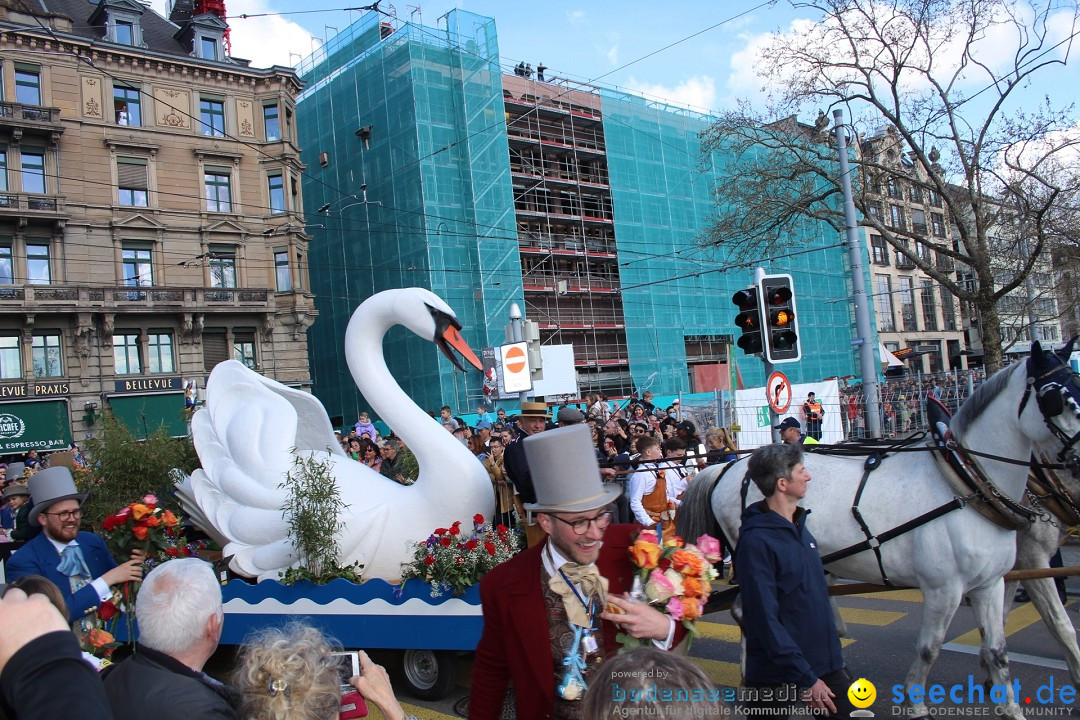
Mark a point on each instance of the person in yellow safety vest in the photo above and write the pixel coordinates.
(813, 412)
(791, 433)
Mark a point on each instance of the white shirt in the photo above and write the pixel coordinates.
(99, 584)
(553, 560)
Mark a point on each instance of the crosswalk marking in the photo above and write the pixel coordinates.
(862, 616)
(1018, 619)
(730, 633)
(720, 672)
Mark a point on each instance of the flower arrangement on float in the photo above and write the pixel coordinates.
(673, 576)
(452, 559)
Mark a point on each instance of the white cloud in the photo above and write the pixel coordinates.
(265, 41)
(612, 54)
(575, 17)
(697, 92)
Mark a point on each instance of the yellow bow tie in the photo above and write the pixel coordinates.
(591, 584)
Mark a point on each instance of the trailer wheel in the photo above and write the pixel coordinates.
(428, 674)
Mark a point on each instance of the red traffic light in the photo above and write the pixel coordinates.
(778, 295)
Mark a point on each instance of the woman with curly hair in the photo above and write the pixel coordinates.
(290, 674)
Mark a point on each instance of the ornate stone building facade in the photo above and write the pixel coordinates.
(151, 221)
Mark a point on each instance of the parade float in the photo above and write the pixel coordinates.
(252, 437)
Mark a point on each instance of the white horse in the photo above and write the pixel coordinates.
(958, 554)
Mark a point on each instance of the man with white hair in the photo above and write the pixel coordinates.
(180, 617)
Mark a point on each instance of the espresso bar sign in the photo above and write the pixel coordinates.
(149, 384)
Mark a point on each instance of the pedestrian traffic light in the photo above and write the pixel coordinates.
(748, 320)
(781, 326)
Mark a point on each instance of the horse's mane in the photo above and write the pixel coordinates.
(980, 399)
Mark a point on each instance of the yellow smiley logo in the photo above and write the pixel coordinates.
(862, 693)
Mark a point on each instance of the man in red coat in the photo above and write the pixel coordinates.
(551, 614)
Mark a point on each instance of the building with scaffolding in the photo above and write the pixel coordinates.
(430, 165)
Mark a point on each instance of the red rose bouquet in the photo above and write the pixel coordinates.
(673, 576)
(451, 560)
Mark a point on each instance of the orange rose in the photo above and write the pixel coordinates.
(98, 637)
(140, 532)
(691, 609)
(687, 563)
(645, 554)
(168, 519)
(151, 521)
(693, 587)
(139, 511)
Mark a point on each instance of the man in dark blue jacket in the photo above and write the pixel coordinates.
(792, 649)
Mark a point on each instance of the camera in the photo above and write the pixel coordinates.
(353, 704)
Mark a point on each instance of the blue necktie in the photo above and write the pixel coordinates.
(72, 563)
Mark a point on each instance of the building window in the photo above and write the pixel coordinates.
(918, 221)
(907, 304)
(935, 198)
(915, 194)
(46, 354)
(126, 354)
(218, 190)
(881, 252)
(276, 188)
(938, 222)
(895, 188)
(299, 270)
(7, 268)
(131, 176)
(223, 267)
(288, 124)
(124, 32)
(896, 216)
(3, 169)
(27, 84)
(38, 271)
(948, 308)
(281, 271)
(212, 115)
(10, 357)
(208, 47)
(883, 303)
(244, 348)
(126, 105)
(33, 171)
(929, 307)
(137, 266)
(159, 350)
(272, 121)
(922, 251)
(215, 348)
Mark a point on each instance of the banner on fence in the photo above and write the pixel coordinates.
(752, 413)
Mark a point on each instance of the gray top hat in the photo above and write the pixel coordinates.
(51, 486)
(565, 473)
(16, 489)
(16, 471)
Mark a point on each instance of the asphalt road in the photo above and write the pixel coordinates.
(879, 647)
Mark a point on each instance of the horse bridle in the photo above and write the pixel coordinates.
(1051, 395)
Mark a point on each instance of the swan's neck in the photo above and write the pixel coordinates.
(438, 453)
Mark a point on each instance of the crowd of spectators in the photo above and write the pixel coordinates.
(903, 400)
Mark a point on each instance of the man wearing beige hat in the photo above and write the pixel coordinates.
(552, 612)
(77, 562)
(532, 420)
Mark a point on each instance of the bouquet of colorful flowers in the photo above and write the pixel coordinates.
(98, 642)
(144, 526)
(451, 560)
(673, 576)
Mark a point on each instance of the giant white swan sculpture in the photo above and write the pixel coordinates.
(247, 434)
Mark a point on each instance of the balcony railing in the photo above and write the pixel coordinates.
(29, 113)
(23, 202)
(123, 297)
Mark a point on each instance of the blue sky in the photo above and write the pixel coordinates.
(599, 41)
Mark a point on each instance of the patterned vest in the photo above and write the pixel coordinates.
(561, 641)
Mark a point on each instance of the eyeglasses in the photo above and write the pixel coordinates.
(581, 526)
(67, 514)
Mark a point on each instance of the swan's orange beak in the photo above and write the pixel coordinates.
(451, 338)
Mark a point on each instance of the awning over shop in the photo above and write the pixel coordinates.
(143, 414)
(41, 425)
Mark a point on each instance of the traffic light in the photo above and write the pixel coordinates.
(781, 326)
(748, 320)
